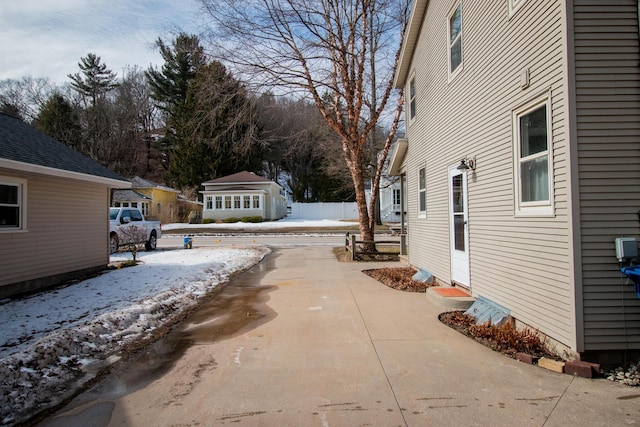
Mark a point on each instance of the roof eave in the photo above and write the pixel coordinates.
(409, 42)
(60, 173)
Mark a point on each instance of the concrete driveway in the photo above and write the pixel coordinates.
(323, 344)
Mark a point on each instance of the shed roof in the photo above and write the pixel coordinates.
(21, 142)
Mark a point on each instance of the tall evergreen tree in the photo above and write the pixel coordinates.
(96, 79)
(182, 60)
(59, 120)
(214, 132)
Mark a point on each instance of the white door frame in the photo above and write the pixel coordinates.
(459, 227)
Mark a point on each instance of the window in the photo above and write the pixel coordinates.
(533, 159)
(236, 202)
(144, 207)
(246, 202)
(514, 5)
(218, 202)
(12, 206)
(412, 98)
(209, 202)
(455, 41)
(256, 202)
(227, 202)
(422, 193)
(396, 199)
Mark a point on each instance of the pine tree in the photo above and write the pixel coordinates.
(59, 120)
(96, 79)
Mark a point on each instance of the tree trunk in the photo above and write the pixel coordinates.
(365, 224)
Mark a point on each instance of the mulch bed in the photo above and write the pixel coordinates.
(398, 278)
(505, 339)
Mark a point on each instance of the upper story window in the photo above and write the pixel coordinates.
(514, 5)
(412, 98)
(12, 205)
(455, 41)
(533, 159)
(422, 193)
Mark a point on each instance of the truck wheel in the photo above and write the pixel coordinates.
(152, 242)
(113, 243)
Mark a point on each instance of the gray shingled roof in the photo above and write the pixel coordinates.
(128, 195)
(240, 177)
(21, 142)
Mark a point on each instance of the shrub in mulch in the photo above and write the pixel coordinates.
(504, 338)
(398, 278)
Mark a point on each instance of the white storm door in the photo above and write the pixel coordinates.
(458, 226)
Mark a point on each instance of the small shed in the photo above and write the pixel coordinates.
(54, 201)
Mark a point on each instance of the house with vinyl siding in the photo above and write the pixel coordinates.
(522, 160)
(54, 222)
(243, 194)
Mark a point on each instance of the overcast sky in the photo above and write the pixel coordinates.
(47, 38)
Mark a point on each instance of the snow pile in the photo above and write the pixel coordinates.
(53, 342)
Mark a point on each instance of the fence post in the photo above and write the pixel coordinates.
(353, 247)
(403, 244)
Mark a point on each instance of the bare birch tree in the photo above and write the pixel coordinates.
(341, 53)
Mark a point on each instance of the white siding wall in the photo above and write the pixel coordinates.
(608, 128)
(521, 263)
(67, 226)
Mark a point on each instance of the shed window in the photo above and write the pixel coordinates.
(12, 205)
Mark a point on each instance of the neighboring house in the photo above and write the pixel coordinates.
(131, 199)
(243, 194)
(390, 199)
(156, 201)
(54, 221)
(541, 98)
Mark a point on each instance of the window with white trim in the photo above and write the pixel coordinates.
(208, 202)
(396, 199)
(533, 158)
(412, 98)
(218, 202)
(514, 5)
(455, 41)
(144, 208)
(256, 202)
(12, 204)
(422, 193)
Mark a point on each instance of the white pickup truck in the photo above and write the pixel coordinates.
(127, 225)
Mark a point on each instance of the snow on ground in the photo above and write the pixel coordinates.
(52, 342)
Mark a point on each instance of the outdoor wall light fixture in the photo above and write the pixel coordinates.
(467, 163)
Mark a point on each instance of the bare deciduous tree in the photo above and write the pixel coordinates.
(341, 53)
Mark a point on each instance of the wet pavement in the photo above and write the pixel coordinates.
(304, 340)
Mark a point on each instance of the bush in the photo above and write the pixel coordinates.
(251, 219)
(230, 220)
(208, 221)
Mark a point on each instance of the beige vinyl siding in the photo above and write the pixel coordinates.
(607, 87)
(66, 230)
(522, 263)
